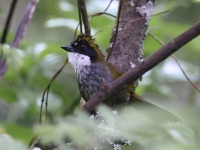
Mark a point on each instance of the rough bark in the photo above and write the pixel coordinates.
(127, 48)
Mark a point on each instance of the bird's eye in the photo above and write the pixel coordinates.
(82, 46)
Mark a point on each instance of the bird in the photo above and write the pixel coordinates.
(93, 71)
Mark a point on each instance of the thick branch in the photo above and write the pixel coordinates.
(126, 43)
(143, 67)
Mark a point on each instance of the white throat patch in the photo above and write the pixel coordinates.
(78, 60)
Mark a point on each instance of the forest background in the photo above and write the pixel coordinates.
(31, 67)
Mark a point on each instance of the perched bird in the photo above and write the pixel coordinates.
(92, 70)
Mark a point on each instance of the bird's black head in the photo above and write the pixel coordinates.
(84, 44)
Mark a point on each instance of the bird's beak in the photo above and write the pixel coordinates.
(68, 48)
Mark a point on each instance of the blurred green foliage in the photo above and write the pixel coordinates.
(139, 127)
(39, 57)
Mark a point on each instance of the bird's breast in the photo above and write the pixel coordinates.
(90, 79)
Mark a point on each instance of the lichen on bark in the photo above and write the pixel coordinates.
(127, 48)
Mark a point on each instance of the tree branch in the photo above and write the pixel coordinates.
(126, 46)
(85, 17)
(23, 24)
(150, 62)
(8, 21)
(3, 63)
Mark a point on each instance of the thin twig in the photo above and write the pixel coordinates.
(30, 9)
(117, 28)
(101, 13)
(177, 62)
(46, 93)
(126, 22)
(108, 6)
(3, 63)
(8, 21)
(147, 16)
(76, 30)
(186, 76)
(33, 140)
(103, 29)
